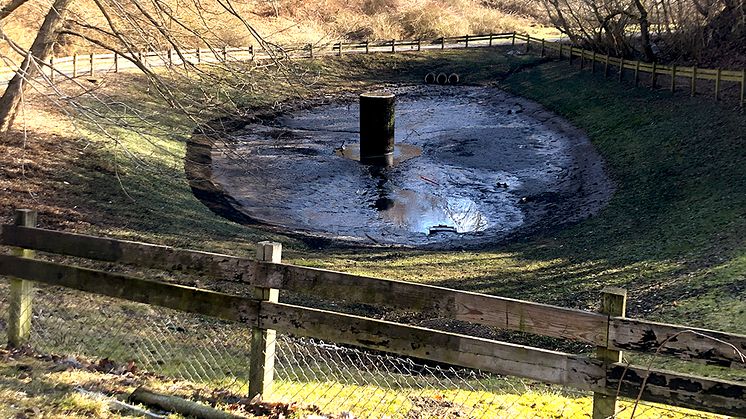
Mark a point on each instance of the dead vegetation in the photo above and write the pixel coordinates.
(52, 386)
(294, 21)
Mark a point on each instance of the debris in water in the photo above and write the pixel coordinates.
(428, 180)
(442, 228)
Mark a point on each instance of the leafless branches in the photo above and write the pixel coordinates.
(651, 29)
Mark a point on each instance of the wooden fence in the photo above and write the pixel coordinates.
(91, 64)
(674, 73)
(609, 330)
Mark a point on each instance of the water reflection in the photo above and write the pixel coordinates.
(424, 212)
(402, 152)
(380, 174)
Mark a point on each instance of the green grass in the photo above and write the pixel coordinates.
(376, 401)
(673, 234)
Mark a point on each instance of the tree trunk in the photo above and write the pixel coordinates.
(39, 52)
(647, 48)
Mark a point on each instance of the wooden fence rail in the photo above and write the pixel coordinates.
(693, 74)
(89, 64)
(604, 375)
(500, 312)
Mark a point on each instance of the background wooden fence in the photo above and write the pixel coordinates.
(608, 330)
(92, 64)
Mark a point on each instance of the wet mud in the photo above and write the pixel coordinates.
(472, 165)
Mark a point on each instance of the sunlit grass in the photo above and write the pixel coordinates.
(673, 234)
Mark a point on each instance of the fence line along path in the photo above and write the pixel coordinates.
(95, 63)
(264, 315)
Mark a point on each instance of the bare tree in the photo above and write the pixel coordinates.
(133, 29)
(649, 28)
(39, 52)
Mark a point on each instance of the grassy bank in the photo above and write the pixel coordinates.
(673, 234)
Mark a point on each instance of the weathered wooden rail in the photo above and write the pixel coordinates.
(610, 331)
(674, 73)
(91, 64)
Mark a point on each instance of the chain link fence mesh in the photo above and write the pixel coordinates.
(335, 380)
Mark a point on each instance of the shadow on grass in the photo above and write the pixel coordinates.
(673, 233)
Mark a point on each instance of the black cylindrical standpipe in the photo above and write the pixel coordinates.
(377, 128)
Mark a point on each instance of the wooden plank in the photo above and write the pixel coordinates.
(21, 292)
(504, 313)
(743, 88)
(263, 341)
(449, 348)
(188, 299)
(613, 303)
(140, 254)
(725, 77)
(736, 74)
(676, 389)
(701, 345)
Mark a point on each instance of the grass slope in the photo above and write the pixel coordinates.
(673, 234)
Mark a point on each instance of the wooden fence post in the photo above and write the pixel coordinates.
(263, 341)
(490, 39)
(367, 47)
(653, 82)
(694, 81)
(743, 88)
(92, 69)
(225, 53)
(593, 62)
(513, 42)
(528, 43)
(466, 42)
(613, 303)
(718, 75)
(310, 51)
(419, 45)
(393, 46)
(116, 62)
(637, 73)
(443, 42)
(51, 69)
(339, 45)
(606, 66)
(673, 78)
(199, 56)
(252, 53)
(21, 291)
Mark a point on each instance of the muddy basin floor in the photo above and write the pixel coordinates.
(491, 165)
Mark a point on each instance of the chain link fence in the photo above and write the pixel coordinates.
(325, 379)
